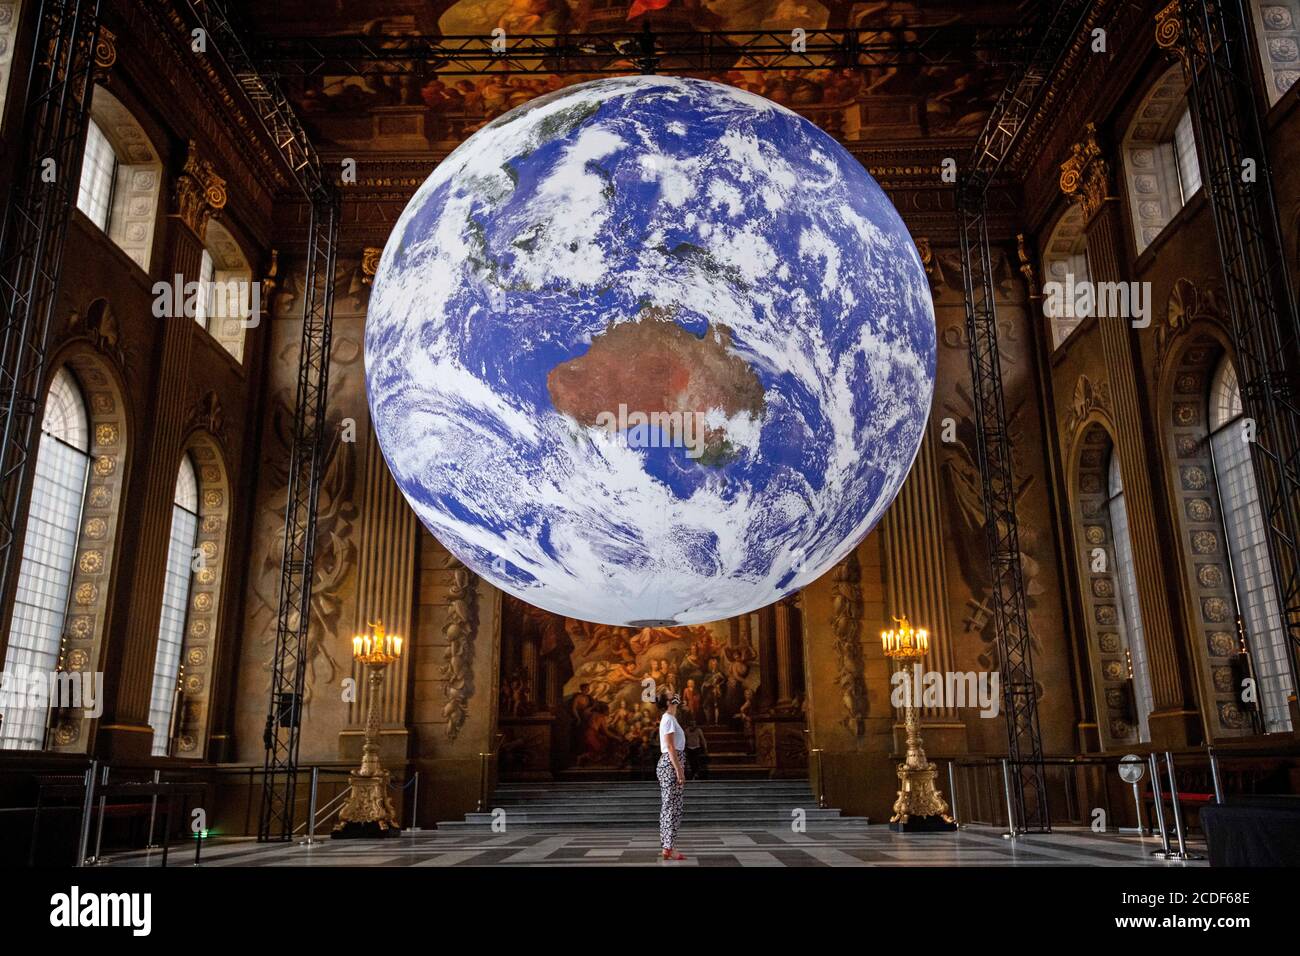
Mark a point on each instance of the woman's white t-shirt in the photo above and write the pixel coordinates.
(669, 727)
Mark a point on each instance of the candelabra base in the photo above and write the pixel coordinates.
(935, 824)
(368, 814)
(919, 807)
(369, 830)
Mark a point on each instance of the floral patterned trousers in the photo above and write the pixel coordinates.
(670, 807)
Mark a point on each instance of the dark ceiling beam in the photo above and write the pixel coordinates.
(696, 51)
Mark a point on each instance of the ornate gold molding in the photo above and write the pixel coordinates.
(458, 660)
(1085, 176)
(105, 49)
(1088, 397)
(927, 260)
(1027, 267)
(206, 413)
(1188, 302)
(845, 621)
(199, 192)
(370, 263)
(1170, 29)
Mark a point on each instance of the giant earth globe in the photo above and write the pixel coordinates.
(650, 351)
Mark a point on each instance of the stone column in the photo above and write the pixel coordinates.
(1086, 178)
(917, 585)
(125, 733)
(554, 698)
(785, 653)
(767, 658)
(385, 591)
(532, 668)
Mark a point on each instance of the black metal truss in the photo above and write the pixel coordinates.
(306, 458)
(1218, 56)
(645, 51)
(307, 442)
(1005, 124)
(269, 103)
(59, 86)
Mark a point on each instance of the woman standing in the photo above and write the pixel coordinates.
(672, 775)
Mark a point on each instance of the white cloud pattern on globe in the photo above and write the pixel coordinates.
(603, 258)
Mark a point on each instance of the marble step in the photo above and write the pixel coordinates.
(609, 804)
(627, 818)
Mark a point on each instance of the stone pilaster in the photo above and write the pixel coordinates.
(916, 585)
(385, 591)
(1086, 178)
(126, 734)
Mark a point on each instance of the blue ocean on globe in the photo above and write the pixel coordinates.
(609, 256)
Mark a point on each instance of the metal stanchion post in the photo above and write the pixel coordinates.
(1011, 810)
(482, 782)
(1137, 809)
(415, 800)
(1159, 798)
(1178, 812)
(952, 792)
(87, 808)
(153, 810)
(1214, 774)
(311, 810)
(99, 826)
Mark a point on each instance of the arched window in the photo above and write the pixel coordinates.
(1065, 261)
(1252, 570)
(98, 173)
(1162, 169)
(49, 559)
(10, 14)
(227, 299)
(207, 270)
(175, 606)
(1130, 623)
(121, 177)
(1277, 35)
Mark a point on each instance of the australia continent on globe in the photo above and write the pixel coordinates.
(650, 350)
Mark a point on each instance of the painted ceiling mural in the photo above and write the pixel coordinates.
(413, 113)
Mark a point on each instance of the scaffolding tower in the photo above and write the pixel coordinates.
(1215, 44)
(60, 83)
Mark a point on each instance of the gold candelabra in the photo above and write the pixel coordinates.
(919, 805)
(369, 810)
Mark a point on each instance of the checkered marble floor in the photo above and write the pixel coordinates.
(704, 846)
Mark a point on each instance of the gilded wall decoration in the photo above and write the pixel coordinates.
(459, 631)
(846, 626)
(1088, 397)
(99, 326)
(1188, 303)
(1085, 176)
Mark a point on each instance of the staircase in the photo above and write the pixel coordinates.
(717, 803)
(728, 748)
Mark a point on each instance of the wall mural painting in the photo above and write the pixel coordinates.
(963, 487)
(336, 552)
(589, 683)
(853, 104)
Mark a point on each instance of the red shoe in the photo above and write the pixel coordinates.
(673, 855)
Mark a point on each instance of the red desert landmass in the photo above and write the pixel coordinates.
(653, 365)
